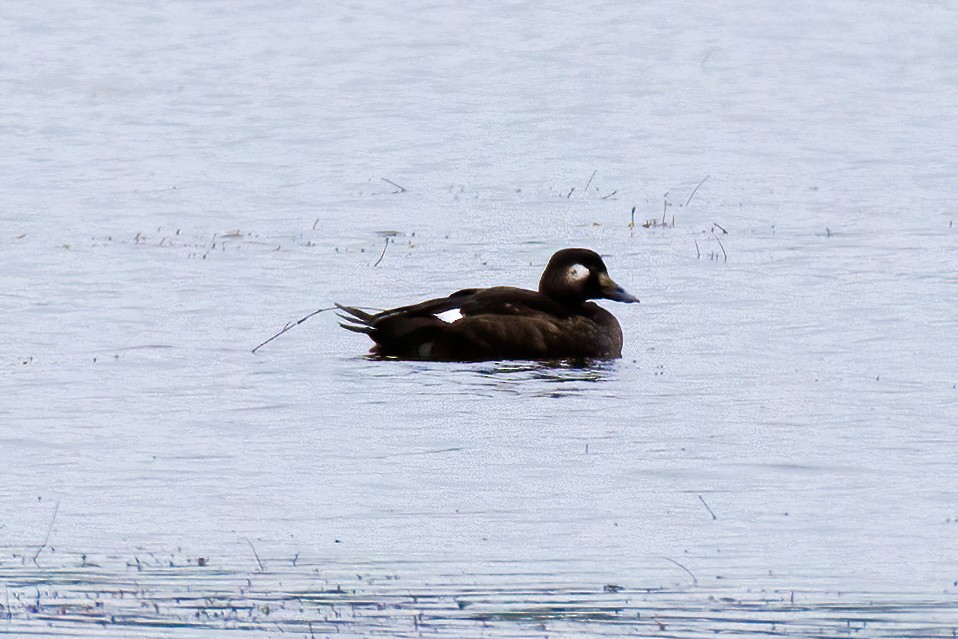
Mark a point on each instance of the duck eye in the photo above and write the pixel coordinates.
(577, 274)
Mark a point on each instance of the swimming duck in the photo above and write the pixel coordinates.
(502, 322)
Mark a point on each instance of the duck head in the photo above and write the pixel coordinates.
(575, 275)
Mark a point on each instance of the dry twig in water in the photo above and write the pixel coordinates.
(46, 539)
(721, 246)
(687, 571)
(383, 254)
(701, 499)
(590, 180)
(256, 554)
(695, 189)
(290, 325)
(402, 189)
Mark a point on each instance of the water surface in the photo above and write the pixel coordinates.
(774, 454)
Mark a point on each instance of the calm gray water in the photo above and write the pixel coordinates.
(774, 454)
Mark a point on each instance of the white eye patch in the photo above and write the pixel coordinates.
(577, 274)
(450, 316)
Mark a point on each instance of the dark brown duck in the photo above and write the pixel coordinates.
(502, 322)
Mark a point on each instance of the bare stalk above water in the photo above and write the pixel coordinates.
(383, 254)
(590, 180)
(695, 189)
(721, 246)
(687, 571)
(402, 189)
(702, 499)
(255, 554)
(290, 325)
(46, 539)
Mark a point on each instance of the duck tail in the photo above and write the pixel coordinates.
(367, 330)
(359, 321)
(357, 315)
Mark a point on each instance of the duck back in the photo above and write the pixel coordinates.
(494, 323)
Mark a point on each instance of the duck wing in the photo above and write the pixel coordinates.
(490, 323)
(506, 300)
(470, 302)
(360, 321)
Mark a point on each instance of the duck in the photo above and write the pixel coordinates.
(555, 322)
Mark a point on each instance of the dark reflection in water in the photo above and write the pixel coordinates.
(556, 378)
(555, 370)
(559, 378)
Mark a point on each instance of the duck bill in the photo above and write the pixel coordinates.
(612, 291)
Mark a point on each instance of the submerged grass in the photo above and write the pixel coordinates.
(171, 595)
